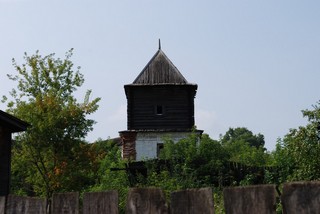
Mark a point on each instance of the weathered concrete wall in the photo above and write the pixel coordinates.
(301, 197)
(66, 203)
(146, 200)
(250, 199)
(101, 202)
(2, 204)
(192, 201)
(25, 205)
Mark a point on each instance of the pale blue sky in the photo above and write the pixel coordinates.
(256, 62)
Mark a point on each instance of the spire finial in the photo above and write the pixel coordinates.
(159, 44)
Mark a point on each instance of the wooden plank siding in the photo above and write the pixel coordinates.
(177, 102)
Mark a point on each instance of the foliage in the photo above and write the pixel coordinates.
(196, 162)
(297, 154)
(243, 135)
(245, 147)
(51, 152)
(242, 152)
(218, 201)
(109, 179)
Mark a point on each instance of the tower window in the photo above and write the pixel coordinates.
(159, 110)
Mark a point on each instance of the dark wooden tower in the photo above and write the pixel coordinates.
(160, 101)
(8, 125)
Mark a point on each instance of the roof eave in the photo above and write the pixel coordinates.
(13, 123)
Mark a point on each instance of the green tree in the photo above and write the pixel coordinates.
(181, 156)
(245, 147)
(107, 178)
(211, 162)
(297, 154)
(249, 159)
(242, 134)
(196, 162)
(51, 152)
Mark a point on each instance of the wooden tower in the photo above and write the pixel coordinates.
(160, 103)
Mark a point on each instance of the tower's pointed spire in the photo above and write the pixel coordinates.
(160, 70)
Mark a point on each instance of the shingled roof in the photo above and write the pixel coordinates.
(160, 70)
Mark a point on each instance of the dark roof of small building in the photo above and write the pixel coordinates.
(160, 70)
(12, 123)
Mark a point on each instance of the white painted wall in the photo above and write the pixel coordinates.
(146, 142)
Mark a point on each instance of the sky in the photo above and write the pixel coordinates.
(256, 63)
